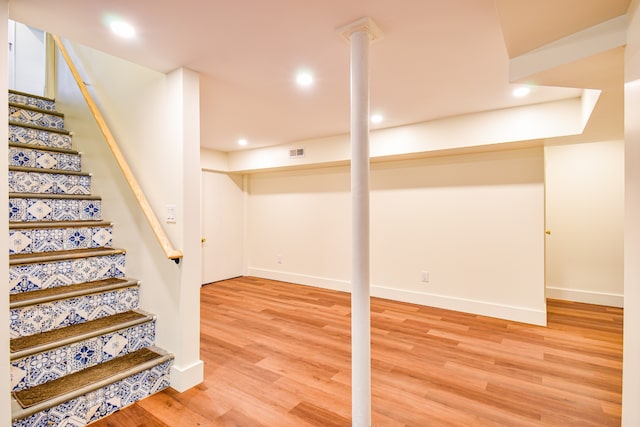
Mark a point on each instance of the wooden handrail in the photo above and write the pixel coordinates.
(152, 219)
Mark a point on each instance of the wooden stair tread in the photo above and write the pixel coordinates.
(30, 95)
(63, 292)
(53, 196)
(42, 128)
(43, 148)
(49, 171)
(17, 259)
(24, 346)
(17, 225)
(88, 379)
(36, 109)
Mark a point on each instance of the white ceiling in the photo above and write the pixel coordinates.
(437, 59)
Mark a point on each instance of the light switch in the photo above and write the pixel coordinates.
(171, 214)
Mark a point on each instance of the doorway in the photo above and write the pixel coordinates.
(222, 226)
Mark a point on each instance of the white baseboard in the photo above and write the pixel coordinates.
(589, 297)
(301, 279)
(483, 308)
(185, 377)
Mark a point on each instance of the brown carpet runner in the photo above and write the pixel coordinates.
(43, 392)
(22, 343)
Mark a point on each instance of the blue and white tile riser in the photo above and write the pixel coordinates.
(37, 276)
(38, 240)
(95, 405)
(46, 366)
(32, 101)
(31, 320)
(48, 183)
(37, 137)
(51, 160)
(41, 209)
(36, 118)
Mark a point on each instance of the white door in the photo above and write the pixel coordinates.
(222, 226)
(27, 59)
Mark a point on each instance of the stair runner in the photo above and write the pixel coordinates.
(80, 347)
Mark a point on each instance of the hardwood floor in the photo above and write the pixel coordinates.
(278, 354)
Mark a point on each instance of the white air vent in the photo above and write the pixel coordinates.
(296, 152)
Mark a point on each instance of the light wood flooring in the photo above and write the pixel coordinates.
(278, 355)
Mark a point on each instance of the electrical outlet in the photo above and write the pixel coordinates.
(279, 259)
(424, 277)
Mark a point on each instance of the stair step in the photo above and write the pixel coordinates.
(25, 114)
(31, 273)
(30, 169)
(41, 181)
(72, 306)
(61, 224)
(93, 393)
(43, 296)
(59, 237)
(36, 136)
(43, 148)
(37, 101)
(74, 348)
(21, 259)
(57, 159)
(29, 207)
(26, 346)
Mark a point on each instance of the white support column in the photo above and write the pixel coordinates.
(360, 34)
(360, 288)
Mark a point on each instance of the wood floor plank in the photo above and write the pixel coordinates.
(279, 354)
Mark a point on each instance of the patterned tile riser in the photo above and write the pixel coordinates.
(30, 320)
(31, 158)
(39, 138)
(28, 209)
(95, 405)
(47, 366)
(43, 104)
(48, 183)
(19, 115)
(28, 241)
(31, 277)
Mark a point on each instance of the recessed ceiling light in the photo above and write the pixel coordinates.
(522, 91)
(376, 118)
(242, 142)
(304, 78)
(122, 29)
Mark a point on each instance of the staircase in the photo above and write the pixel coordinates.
(80, 347)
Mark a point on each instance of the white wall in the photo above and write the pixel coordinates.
(631, 367)
(155, 119)
(475, 222)
(5, 407)
(585, 214)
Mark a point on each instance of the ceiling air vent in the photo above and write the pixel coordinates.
(296, 152)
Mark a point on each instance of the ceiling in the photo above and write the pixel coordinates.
(437, 58)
